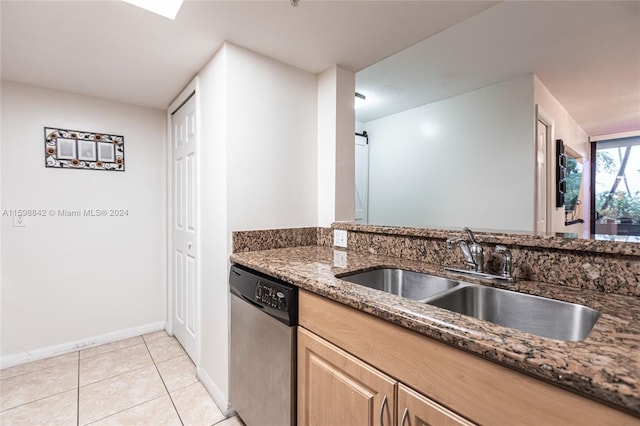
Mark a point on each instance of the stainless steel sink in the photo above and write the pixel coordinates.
(537, 315)
(412, 285)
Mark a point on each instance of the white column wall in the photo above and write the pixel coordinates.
(211, 89)
(271, 131)
(258, 127)
(326, 142)
(336, 150)
(345, 146)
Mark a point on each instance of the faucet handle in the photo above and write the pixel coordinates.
(506, 262)
(470, 234)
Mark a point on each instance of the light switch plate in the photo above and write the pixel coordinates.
(340, 238)
(19, 221)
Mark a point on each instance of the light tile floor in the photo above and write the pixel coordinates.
(145, 380)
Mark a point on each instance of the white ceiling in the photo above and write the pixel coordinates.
(113, 50)
(587, 53)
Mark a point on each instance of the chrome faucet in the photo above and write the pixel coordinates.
(507, 262)
(474, 255)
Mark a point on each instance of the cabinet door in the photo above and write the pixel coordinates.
(335, 388)
(415, 409)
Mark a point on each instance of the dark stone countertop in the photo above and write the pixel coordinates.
(605, 366)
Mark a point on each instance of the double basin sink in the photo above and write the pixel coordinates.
(541, 316)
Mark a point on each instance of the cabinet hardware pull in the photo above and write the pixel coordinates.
(404, 416)
(384, 402)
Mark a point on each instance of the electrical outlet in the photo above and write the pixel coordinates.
(340, 238)
(339, 259)
(19, 221)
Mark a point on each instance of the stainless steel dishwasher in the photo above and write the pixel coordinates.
(264, 316)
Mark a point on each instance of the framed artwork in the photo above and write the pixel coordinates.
(86, 150)
(106, 153)
(66, 148)
(77, 149)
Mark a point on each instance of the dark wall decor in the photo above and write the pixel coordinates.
(77, 149)
(561, 172)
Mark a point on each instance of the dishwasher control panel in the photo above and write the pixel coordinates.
(273, 296)
(270, 295)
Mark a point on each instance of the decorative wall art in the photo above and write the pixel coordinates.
(76, 149)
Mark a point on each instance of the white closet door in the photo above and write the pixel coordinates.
(184, 280)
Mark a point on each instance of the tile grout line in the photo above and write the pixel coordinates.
(37, 370)
(123, 410)
(164, 384)
(36, 400)
(117, 375)
(109, 351)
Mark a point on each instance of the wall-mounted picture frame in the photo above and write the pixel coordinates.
(106, 153)
(86, 150)
(77, 149)
(66, 148)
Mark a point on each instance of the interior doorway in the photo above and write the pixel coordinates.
(544, 136)
(184, 275)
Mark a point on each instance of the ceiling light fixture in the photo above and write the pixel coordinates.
(360, 100)
(294, 3)
(167, 8)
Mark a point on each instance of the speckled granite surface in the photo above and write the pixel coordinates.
(273, 238)
(605, 366)
(524, 240)
(610, 267)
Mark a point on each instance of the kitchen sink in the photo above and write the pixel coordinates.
(537, 315)
(412, 285)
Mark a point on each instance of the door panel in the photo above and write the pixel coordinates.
(415, 409)
(542, 131)
(185, 280)
(335, 388)
(362, 180)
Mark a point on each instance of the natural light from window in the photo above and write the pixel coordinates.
(167, 8)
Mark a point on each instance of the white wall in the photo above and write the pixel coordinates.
(258, 149)
(335, 145)
(271, 140)
(326, 142)
(565, 128)
(211, 93)
(462, 161)
(345, 146)
(70, 279)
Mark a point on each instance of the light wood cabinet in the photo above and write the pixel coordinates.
(477, 389)
(415, 409)
(335, 388)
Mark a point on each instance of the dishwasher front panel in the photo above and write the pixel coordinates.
(262, 386)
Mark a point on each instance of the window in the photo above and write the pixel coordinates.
(616, 187)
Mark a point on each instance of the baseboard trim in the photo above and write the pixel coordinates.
(64, 348)
(218, 396)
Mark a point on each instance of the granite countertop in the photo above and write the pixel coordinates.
(605, 366)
